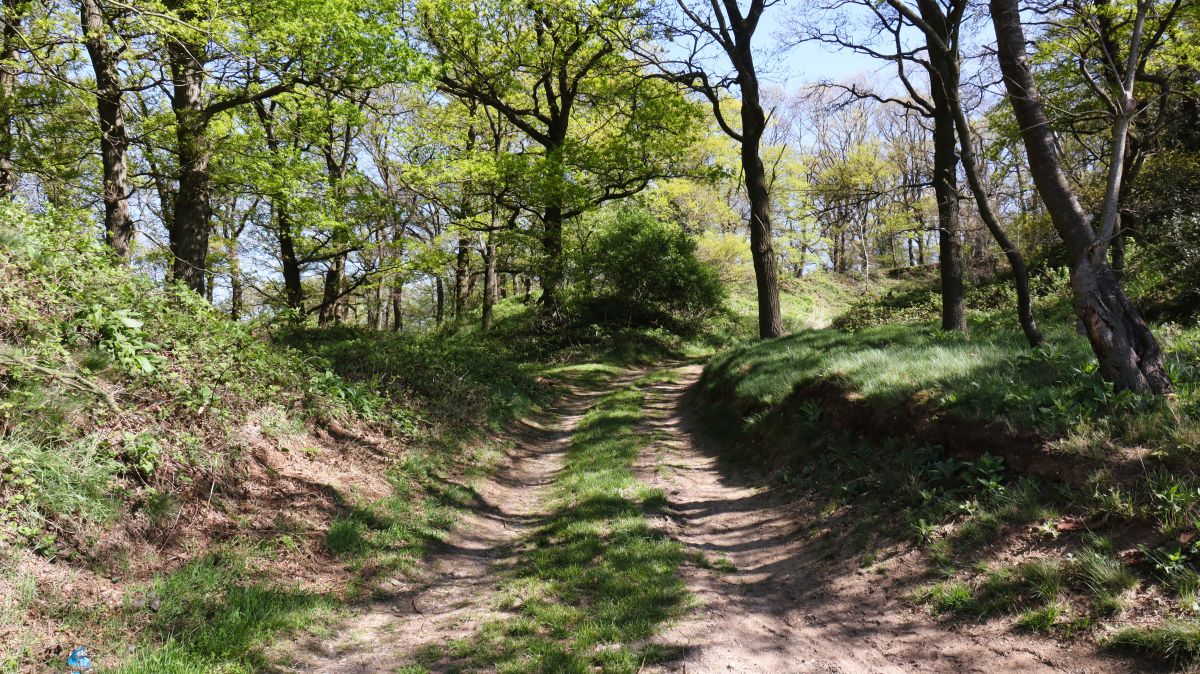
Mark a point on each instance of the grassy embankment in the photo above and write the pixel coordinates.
(177, 490)
(1088, 528)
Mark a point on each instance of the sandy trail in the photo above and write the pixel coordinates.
(788, 607)
(456, 591)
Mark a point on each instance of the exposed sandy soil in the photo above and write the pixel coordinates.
(285, 482)
(456, 591)
(787, 605)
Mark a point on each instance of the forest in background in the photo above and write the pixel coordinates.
(383, 163)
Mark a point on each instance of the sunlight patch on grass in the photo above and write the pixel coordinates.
(597, 582)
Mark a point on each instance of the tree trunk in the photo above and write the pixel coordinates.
(293, 284)
(490, 281)
(462, 271)
(398, 306)
(984, 204)
(762, 252)
(380, 322)
(118, 225)
(552, 266)
(236, 305)
(1126, 350)
(945, 188)
(439, 299)
(331, 296)
(190, 224)
(13, 13)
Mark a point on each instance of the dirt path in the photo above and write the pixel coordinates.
(787, 606)
(456, 592)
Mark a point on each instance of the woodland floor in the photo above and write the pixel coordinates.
(777, 599)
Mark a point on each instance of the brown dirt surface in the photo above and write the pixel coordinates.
(289, 482)
(456, 590)
(790, 606)
(772, 598)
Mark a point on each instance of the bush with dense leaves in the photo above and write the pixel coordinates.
(639, 271)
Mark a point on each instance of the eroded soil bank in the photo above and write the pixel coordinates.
(771, 593)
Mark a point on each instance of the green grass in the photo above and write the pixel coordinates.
(1104, 577)
(215, 616)
(810, 302)
(770, 398)
(993, 376)
(990, 376)
(464, 378)
(595, 580)
(1174, 642)
(1041, 619)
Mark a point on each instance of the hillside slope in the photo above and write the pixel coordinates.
(1039, 494)
(175, 487)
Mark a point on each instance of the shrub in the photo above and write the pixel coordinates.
(642, 272)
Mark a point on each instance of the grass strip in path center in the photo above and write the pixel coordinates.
(596, 583)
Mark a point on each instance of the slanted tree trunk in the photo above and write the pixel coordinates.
(975, 180)
(1015, 259)
(118, 225)
(762, 250)
(1126, 350)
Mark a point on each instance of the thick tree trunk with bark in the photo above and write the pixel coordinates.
(293, 284)
(118, 225)
(552, 269)
(190, 223)
(1126, 350)
(13, 14)
(331, 297)
(439, 299)
(945, 189)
